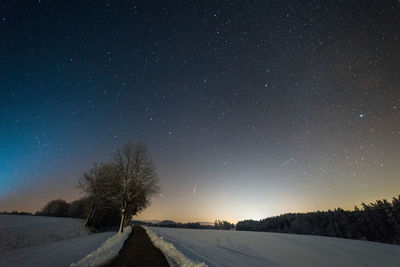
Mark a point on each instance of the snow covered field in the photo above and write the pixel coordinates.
(58, 253)
(49, 241)
(19, 231)
(174, 256)
(239, 248)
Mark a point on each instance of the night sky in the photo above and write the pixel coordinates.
(249, 108)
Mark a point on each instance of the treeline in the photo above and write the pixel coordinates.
(223, 225)
(172, 224)
(14, 212)
(81, 208)
(218, 225)
(61, 208)
(379, 221)
(114, 191)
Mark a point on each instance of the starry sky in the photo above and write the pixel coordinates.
(249, 108)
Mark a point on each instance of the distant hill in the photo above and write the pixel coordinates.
(159, 221)
(172, 224)
(152, 221)
(206, 223)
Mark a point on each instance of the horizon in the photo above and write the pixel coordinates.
(145, 218)
(248, 110)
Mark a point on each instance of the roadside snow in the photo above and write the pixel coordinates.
(106, 251)
(58, 253)
(171, 252)
(240, 248)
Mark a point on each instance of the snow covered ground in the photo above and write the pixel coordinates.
(19, 231)
(174, 256)
(58, 253)
(106, 251)
(49, 241)
(239, 248)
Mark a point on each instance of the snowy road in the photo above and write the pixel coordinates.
(237, 248)
(58, 253)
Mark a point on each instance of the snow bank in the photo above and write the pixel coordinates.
(171, 252)
(106, 251)
(21, 231)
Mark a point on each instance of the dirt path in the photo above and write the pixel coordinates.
(139, 251)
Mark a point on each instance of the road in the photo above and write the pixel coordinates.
(139, 251)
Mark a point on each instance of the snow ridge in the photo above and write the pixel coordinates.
(171, 252)
(108, 250)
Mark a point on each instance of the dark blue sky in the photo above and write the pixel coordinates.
(248, 108)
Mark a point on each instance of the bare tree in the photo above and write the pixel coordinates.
(99, 185)
(136, 180)
(122, 187)
(56, 208)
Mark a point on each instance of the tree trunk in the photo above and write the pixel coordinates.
(121, 226)
(128, 217)
(89, 216)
